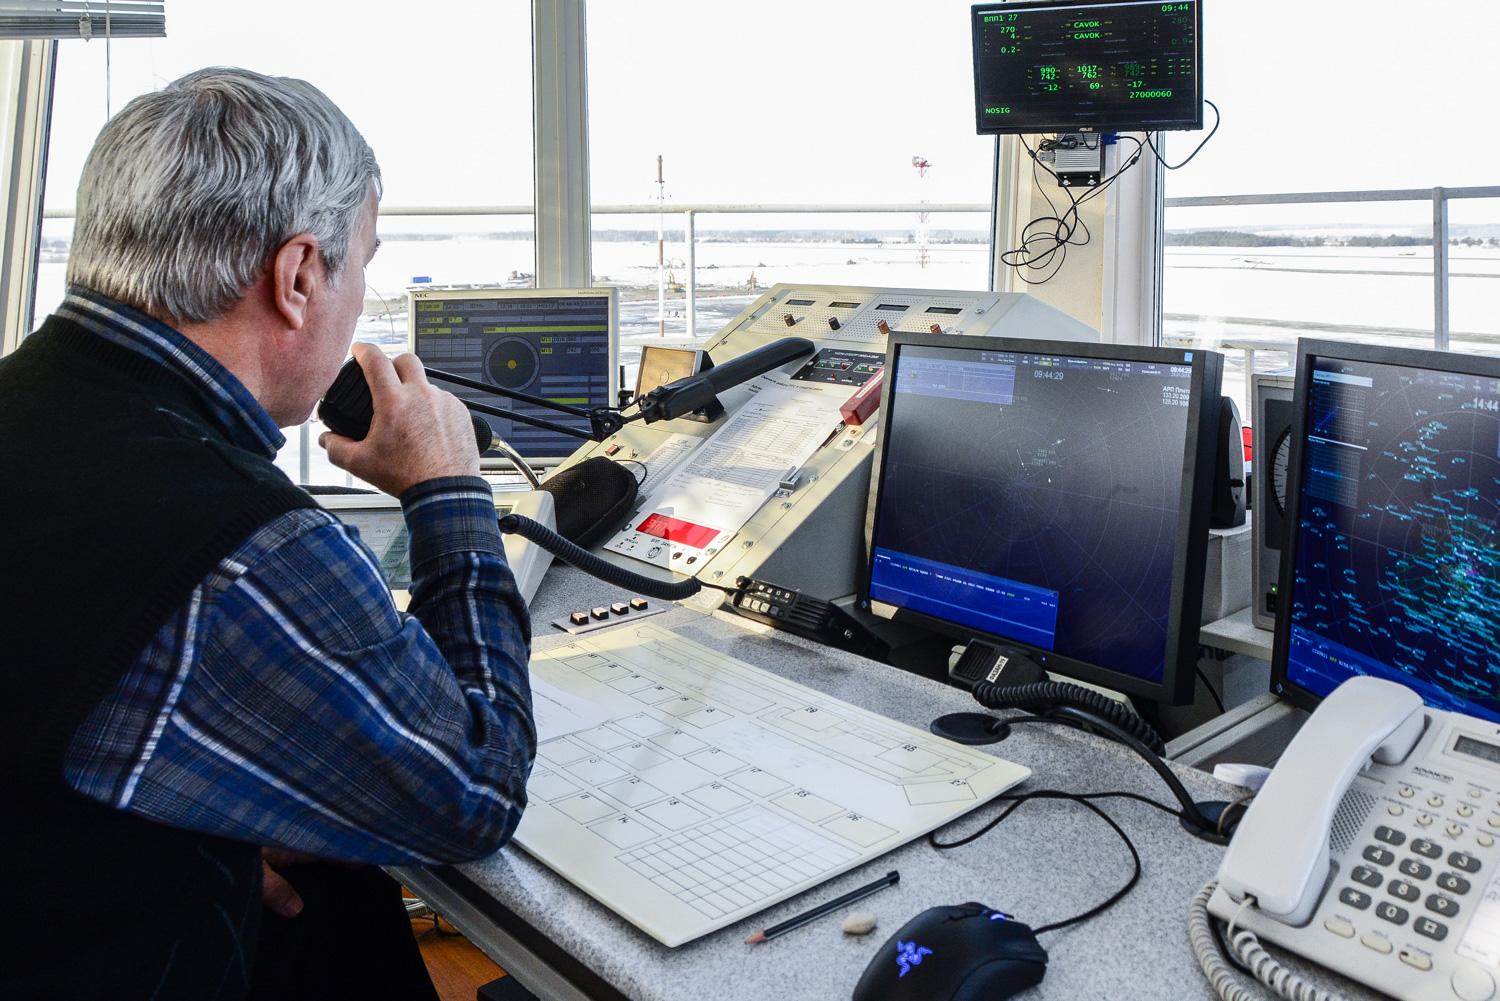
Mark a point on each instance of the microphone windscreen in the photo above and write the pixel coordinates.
(591, 498)
(484, 435)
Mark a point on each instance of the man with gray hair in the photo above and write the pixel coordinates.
(202, 663)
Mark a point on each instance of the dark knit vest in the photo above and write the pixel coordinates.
(118, 494)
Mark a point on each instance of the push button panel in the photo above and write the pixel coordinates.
(1401, 901)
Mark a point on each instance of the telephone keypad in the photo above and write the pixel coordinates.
(1386, 911)
(1428, 928)
(1426, 849)
(1379, 856)
(1353, 898)
(1453, 883)
(1365, 876)
(1416, 870)
(1390, 836)
(1464, 862)
(1442, 906)
(1402, 890)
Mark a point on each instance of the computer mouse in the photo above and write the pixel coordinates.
(965, 952)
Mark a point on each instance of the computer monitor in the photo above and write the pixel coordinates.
(1049, 496)
(1391, 565)
(1087, 67)
(559, 344)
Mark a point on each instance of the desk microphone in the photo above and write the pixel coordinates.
(697, 391)
(348, 409)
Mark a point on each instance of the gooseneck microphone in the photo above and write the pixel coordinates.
(697, 391)
(348, 409)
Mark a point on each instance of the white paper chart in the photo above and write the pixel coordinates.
(713, 789)
(693, 513)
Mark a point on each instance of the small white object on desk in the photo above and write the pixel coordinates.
(859, 923)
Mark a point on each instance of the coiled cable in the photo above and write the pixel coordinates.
(1265, 967)
(534, 531)
(1042, 695)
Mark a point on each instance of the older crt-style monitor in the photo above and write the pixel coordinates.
(1049, 496)
(1391, 567)
(559, 344)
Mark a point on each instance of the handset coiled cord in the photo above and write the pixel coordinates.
(1265, 967)
(568, 552)
(1041, 695)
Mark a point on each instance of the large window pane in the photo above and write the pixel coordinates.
(444, 99)
(1357, 98)
(777, 103)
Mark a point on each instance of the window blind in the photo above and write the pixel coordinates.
(82, 19)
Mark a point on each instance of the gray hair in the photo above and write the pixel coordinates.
(190, 190)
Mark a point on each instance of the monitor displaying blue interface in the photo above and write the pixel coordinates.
(1128, 65)
(558, 344)
(1395, 554)
(1049, 500)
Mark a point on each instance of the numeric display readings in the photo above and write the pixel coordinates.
(1123, 66)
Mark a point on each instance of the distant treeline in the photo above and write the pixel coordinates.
(1236, 238)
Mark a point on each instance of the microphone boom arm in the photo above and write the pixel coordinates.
(603, 421)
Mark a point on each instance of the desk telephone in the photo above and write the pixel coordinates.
(1372, 847)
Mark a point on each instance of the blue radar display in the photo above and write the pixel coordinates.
(1396, 562)
(1038, 498)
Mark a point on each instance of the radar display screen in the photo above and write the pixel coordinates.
(1087, 67)
(1037, 498)
(1397, 539)
(553, 346)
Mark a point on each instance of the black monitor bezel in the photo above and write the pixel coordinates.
(1308, 350)
(1122, 125)
(1176, 685)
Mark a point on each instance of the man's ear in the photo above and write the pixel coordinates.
(295, 272)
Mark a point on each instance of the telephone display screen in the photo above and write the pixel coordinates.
(1397, 549)
(1036, 498)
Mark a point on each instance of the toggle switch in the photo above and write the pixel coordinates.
(883, 327)
(936, 328)
(833, 323)
(789, 320)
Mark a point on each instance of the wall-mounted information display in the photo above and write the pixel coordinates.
(1088, 67)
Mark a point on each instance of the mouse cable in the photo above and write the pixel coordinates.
(1084, 799)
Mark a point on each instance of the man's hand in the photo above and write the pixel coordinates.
(418, 432)
(275, 892)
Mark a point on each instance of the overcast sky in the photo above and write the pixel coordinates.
(808, 101)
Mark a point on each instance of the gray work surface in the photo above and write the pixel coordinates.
(1049, 861)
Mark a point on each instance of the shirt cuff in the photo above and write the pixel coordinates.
(451, 514)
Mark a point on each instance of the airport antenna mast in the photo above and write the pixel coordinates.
(920, 162)
(661, 253)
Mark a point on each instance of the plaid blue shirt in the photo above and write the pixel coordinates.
(288, 702)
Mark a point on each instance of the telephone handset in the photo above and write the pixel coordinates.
(1279, 854)
(1372, 847)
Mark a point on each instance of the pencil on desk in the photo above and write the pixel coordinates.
(889, 879)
